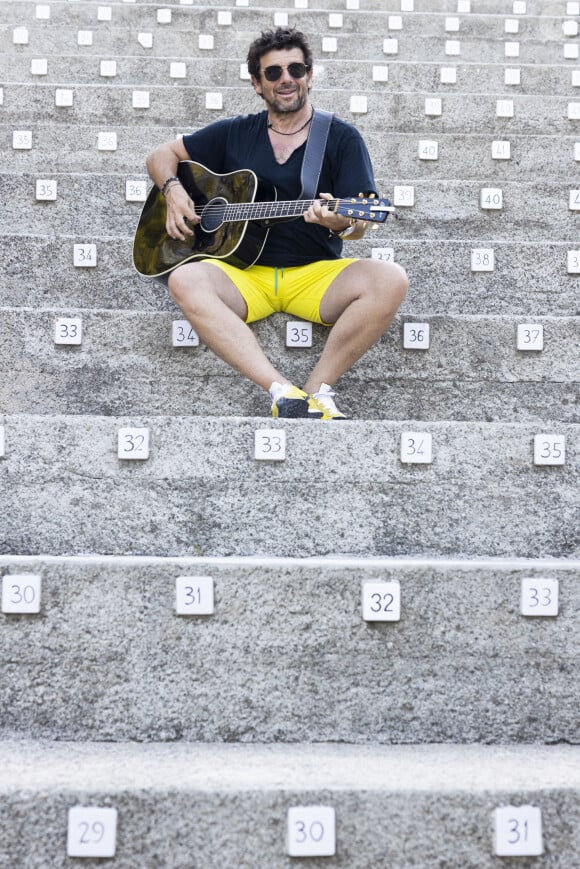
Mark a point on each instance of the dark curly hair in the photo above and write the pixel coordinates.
(274, 40)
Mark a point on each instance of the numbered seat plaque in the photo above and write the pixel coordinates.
(416, 448)
(92, 832)
(311, 831)
(530, 336)
(183, 334)
(381, 601)
(270, 444)
(85, 255)
(298, 334)
(539, 596)
(404, 196)
(194, 596)
(428, 150)
(133, 443)
(46, 189)
(482, 259)
(68, 330)
(491, 198)
(549, 449)
(21, 593)
(136, 190)
(385, 254)
(518, 831)
(416, 336)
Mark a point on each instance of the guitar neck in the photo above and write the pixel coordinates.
(374, 210)
(236, 211)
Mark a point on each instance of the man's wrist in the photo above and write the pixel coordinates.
(346, 231)
(169, 182)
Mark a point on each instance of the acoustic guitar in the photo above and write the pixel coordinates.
(236, 210)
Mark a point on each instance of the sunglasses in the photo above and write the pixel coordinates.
(296, 70)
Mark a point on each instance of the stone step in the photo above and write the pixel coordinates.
(528, 211)
(127, 364)
(529, 279)
(286, 655)
(66, 491)
(215, 72)
(24, 11)
(485, 43)
(109, 104)
(244, 23)
(226, 807)
(460, 156)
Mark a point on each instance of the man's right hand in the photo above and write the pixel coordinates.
(180, 209)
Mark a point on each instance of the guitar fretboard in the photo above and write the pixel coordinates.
(233, 212)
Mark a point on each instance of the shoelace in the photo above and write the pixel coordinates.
(325, 399)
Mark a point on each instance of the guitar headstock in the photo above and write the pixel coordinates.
(369, 208)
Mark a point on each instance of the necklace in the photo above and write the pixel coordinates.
(293, 133)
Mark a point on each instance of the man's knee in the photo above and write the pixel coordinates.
(178, 284)
(397, 282)
(389, 284)
(187, 285)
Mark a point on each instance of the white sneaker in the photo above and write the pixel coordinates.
(324, 399)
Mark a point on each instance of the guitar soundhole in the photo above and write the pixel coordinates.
(213, 214)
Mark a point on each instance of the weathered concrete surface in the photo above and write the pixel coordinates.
(126, 364)
(486, 21)
(223, 73)
(530, 279)
(467, 156)
(287, 657)
(443, 209)
(185, 105)
(225, 807)
(83, 12)
(339, 490)
(482, 37)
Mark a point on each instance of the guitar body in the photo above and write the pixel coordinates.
(238, 243)
(236, 211)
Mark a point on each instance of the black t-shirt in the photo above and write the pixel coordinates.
(242, 143)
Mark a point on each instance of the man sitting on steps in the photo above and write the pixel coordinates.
(300, 269)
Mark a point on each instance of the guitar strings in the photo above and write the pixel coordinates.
(287, 208)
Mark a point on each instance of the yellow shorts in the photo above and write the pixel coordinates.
(297, 290)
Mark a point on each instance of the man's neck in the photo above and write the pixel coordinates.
(290, 122)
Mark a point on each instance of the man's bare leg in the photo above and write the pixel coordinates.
(361, 302)
(217, 311)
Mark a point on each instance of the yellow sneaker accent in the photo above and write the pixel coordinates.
(289, 402)
(324, 400)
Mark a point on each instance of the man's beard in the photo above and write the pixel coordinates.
(287, 108)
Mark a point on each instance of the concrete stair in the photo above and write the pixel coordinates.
(202, 731)
(127, 364)
(286, 656)
(224, 74)
(439, 802)
(107, 104)
(529, 279)
(201, 489)
(554, 153)
(529, 211)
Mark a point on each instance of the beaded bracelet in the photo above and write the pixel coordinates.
(167, 182)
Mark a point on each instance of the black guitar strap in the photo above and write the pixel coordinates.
(314, 153)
